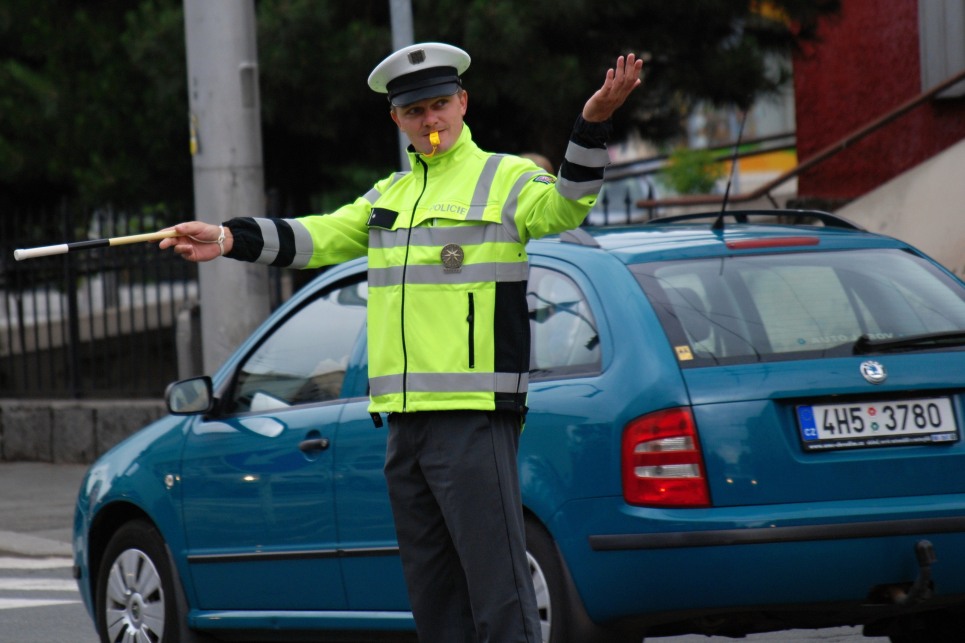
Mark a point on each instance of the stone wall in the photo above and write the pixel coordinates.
(70, 431)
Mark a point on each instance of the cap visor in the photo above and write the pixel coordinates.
(422, 93)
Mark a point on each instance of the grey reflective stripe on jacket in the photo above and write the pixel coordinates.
(484, 185)
(288, 243)
(467, 274)
(463, 235)
(438, 236)
(455, 382)
(373, 194)
(596, 158)
(297, 251)
(587, 156)
(512, 203)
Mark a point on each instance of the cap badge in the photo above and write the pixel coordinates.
(417, 57)
(452, 257)
(873, 372)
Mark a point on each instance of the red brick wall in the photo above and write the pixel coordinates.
(865, 64)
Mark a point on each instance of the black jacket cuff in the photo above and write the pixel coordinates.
(247, 241)
(590, 134)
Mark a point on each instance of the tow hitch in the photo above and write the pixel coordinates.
(906, 597)
(921, 589)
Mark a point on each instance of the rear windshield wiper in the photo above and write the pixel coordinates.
(944, 339)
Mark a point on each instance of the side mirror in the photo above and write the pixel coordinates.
(190, 397)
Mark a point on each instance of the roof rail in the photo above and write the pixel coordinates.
(740, 216)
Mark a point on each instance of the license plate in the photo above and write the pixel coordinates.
(877, 424)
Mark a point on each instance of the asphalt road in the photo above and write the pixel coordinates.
(39, 602)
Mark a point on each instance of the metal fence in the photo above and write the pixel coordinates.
(91, 324)
(103, 323)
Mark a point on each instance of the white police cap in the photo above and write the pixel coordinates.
(420, 71)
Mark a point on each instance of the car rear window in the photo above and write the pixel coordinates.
(781, 306)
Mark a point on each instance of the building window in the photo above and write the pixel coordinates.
(941, 34)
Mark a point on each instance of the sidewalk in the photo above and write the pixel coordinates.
(37, 507)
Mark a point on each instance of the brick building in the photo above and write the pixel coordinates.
(872, 57)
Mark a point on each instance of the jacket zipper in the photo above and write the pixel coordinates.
(472, 332)
(405, 265)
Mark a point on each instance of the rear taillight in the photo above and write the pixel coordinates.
(662, 463)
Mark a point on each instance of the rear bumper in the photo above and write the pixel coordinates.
(632, 564)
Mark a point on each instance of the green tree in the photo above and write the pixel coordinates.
(691, 171)
(326, 135)
(534, 64)
(89, 90)
(94, 96)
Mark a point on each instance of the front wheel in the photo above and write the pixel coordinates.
(135, 592)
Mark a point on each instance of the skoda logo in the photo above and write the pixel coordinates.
(873, 372)
(452, 257)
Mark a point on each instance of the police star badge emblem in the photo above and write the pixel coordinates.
(452, 257)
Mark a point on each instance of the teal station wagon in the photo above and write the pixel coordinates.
(734, 427)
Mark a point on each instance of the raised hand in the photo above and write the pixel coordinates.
(619, 82)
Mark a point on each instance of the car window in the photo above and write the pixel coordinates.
(304, 358)
(565, 339)
(797, 305)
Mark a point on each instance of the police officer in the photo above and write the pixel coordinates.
(448, 327)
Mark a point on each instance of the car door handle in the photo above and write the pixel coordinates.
(313, 444)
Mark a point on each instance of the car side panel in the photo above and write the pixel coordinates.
(115, 483)
(367, 542)
(259, 513)
(570, 447)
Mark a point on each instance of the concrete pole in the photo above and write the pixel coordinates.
(400, 14)
(229, 178)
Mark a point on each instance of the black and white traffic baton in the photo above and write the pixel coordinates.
(59, 249)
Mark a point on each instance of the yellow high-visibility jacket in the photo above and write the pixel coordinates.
(448, 327)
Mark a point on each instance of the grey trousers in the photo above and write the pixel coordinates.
(454, 490)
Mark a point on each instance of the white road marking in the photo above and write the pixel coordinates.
(8, 562)
(37, 585)
(17, 603)
(18, 585)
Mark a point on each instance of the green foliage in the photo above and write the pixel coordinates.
(691, 171)
(320, 119)
(87, 90)
(94, 99)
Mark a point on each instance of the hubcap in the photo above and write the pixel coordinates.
(543, 605)
(134, 601)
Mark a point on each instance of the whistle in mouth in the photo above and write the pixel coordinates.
(434, 141)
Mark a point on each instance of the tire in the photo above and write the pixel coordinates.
(561, 614)
(135, 599)
(943, 626)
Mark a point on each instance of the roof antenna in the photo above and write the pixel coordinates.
(719, 223)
